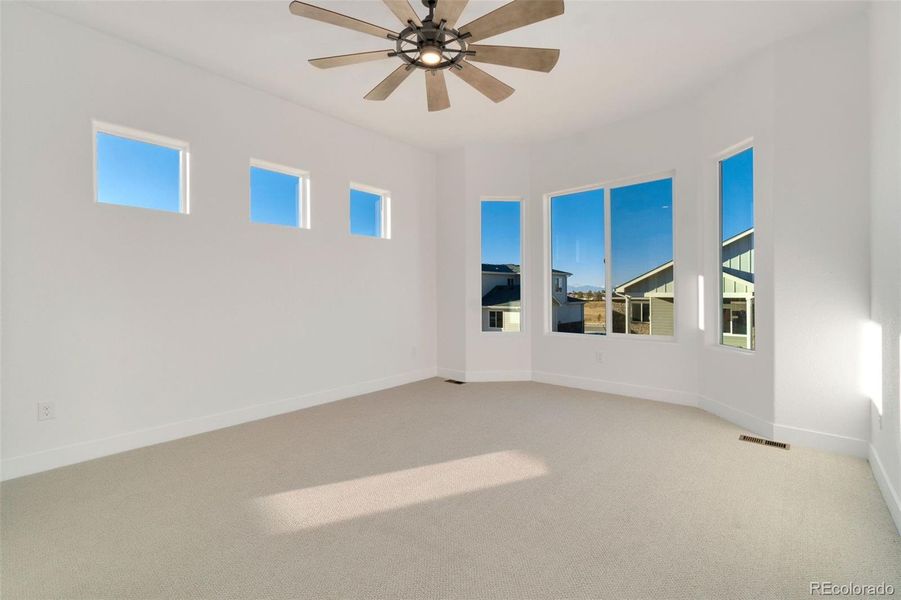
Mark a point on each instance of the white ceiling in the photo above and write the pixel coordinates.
(617, 58)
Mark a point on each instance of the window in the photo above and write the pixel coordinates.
(143, 170)
(278, 195)
(369, 212)
(501, 269)
(736, 175)
(641, 311)
(578, 294)
(641, 224)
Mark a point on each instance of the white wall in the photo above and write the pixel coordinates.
(451, 267)
(885, 222)
(821, 228)
(130, 320)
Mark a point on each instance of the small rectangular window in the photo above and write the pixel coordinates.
(736, 174)
(278, 195)
(139, 169)
(641, 225)
(501, 270)
(369, 212)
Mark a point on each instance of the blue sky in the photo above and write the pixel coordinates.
(365, 213)
(737, 180)
(273, 198)
(641, 224)
(134, 173)
(577, 236)
(500, 232)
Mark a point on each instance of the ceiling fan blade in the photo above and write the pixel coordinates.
(403, 11)
(533, 59)
(449, 11)
(302, 9)
(493, 88)
(343, 60)
(389, 83)
(517, 13)
(436, 90)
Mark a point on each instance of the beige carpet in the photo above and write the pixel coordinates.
(509, 490)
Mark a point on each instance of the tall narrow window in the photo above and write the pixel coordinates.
(737, 250)
(139, 169)
(369, 212)
(277, 195)
(501, 268)
(641, 224)
(578, 283)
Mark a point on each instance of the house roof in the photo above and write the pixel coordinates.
(738, 236)
(489, 268)
(748, 277)
(512, 269)
(502, 295)
(569, 300)
(739, 274)
(650, 273)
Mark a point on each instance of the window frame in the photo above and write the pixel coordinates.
(523, 261)
(608, 186)
(138, 135)
(496, 315)
(718, 159)
(303, 192)
(384, 210)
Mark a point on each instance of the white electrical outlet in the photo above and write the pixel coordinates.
(46, 411)
(599, 357)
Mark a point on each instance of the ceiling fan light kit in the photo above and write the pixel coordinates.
(434, 45)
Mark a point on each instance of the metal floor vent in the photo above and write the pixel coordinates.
(763, 442)
(454, 381)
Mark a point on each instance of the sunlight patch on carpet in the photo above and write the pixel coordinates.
(311, 507)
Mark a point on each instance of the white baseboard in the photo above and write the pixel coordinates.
(821, 440)
(739, 417)
(889, 493)
(484, 376)
(455, 374)
(19, 466)
(615, 387)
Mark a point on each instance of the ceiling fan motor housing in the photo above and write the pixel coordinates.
(414, 41)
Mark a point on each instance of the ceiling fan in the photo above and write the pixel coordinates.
(435, 45)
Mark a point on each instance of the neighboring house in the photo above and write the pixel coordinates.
(501, 307)
(567, 312)
(646, 302)
(738, 290)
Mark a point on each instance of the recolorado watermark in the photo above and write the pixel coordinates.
(828, 588)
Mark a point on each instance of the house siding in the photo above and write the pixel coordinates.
(662, 316)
